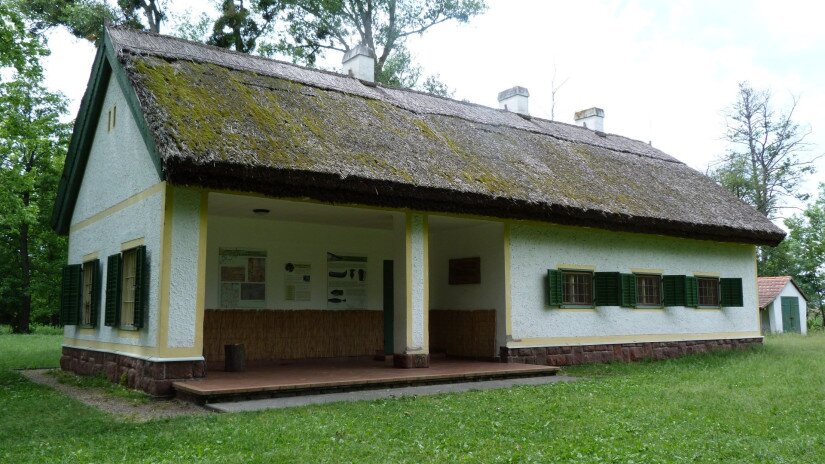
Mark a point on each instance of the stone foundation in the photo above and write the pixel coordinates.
(153, 377)
(620, 352)
(410, 361)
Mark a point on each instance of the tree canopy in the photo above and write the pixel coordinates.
(32, 150)
(85, 18)
(304, 30)
(765, 163)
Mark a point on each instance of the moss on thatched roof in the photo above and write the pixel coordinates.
(228, 120)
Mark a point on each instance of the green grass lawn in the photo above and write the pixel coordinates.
(763, 405)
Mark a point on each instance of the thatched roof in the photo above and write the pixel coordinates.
(228, 120)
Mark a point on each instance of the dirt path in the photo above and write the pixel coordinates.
(122, 407)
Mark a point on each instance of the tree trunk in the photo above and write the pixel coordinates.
(822, 312)
(22, 325)
(153, 16)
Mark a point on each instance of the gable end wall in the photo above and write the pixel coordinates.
(120, 200)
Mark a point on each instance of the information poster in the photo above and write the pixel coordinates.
(243, 278)
(346, 281)
(297, 281)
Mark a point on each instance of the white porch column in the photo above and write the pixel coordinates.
(412, 339)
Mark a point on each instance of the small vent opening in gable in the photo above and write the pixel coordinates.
(112, 118)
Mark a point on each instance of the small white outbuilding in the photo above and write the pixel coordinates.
(782, 305)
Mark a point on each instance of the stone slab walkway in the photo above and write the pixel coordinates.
(423, 390)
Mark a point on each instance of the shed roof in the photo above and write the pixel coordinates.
(771, 287)
(222, 119)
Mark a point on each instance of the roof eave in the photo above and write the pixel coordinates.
(281, 183)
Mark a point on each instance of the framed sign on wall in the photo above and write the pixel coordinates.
(243, 278)
(297, 281)
(346, 281)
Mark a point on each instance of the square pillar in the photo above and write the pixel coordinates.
(412, 307)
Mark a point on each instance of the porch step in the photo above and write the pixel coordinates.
(381, 393)
(314, 379)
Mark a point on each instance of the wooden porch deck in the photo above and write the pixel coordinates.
(312, 377)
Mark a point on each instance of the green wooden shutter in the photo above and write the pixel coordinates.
(141, 286)
(730, 292)
(95, 265)
(691, 292)
(554, 287)
(673, 288)
(629, 290)
(608, 288)
(64, 286)
(113, 290)
(71, 293)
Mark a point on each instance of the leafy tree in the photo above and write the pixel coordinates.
(802, 254)
(383, 25)
(85, 18)
(187, 26)
(764, 165)
(315, 26)
(19, 50)
(807, 247)
(32, 147)
(241, 25)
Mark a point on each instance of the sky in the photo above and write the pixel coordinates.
(664, 72)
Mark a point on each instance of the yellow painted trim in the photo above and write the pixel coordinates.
(756, 287)
(575, 267)
(200, 299)
(123, 333)
(133, 349)
(426, 297)
(646, 271)
(706, 274)
(562, 341)
(131, 244)
(408, 266)
(574, 310)
(508, 294)
(165, 269)
(90, 257)
(159, 187)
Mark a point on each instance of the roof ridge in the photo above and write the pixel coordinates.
(377, 85)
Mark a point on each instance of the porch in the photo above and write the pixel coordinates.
(294, 280)
(324, 376)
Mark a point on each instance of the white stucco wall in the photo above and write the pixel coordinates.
(536, 248)
(775, 309)
(119, 164)
(485, 241)
(141, 220)
(183, 280)
(119, 167)
(297, 242)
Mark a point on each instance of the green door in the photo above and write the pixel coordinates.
(389, 306)
(790, 314)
